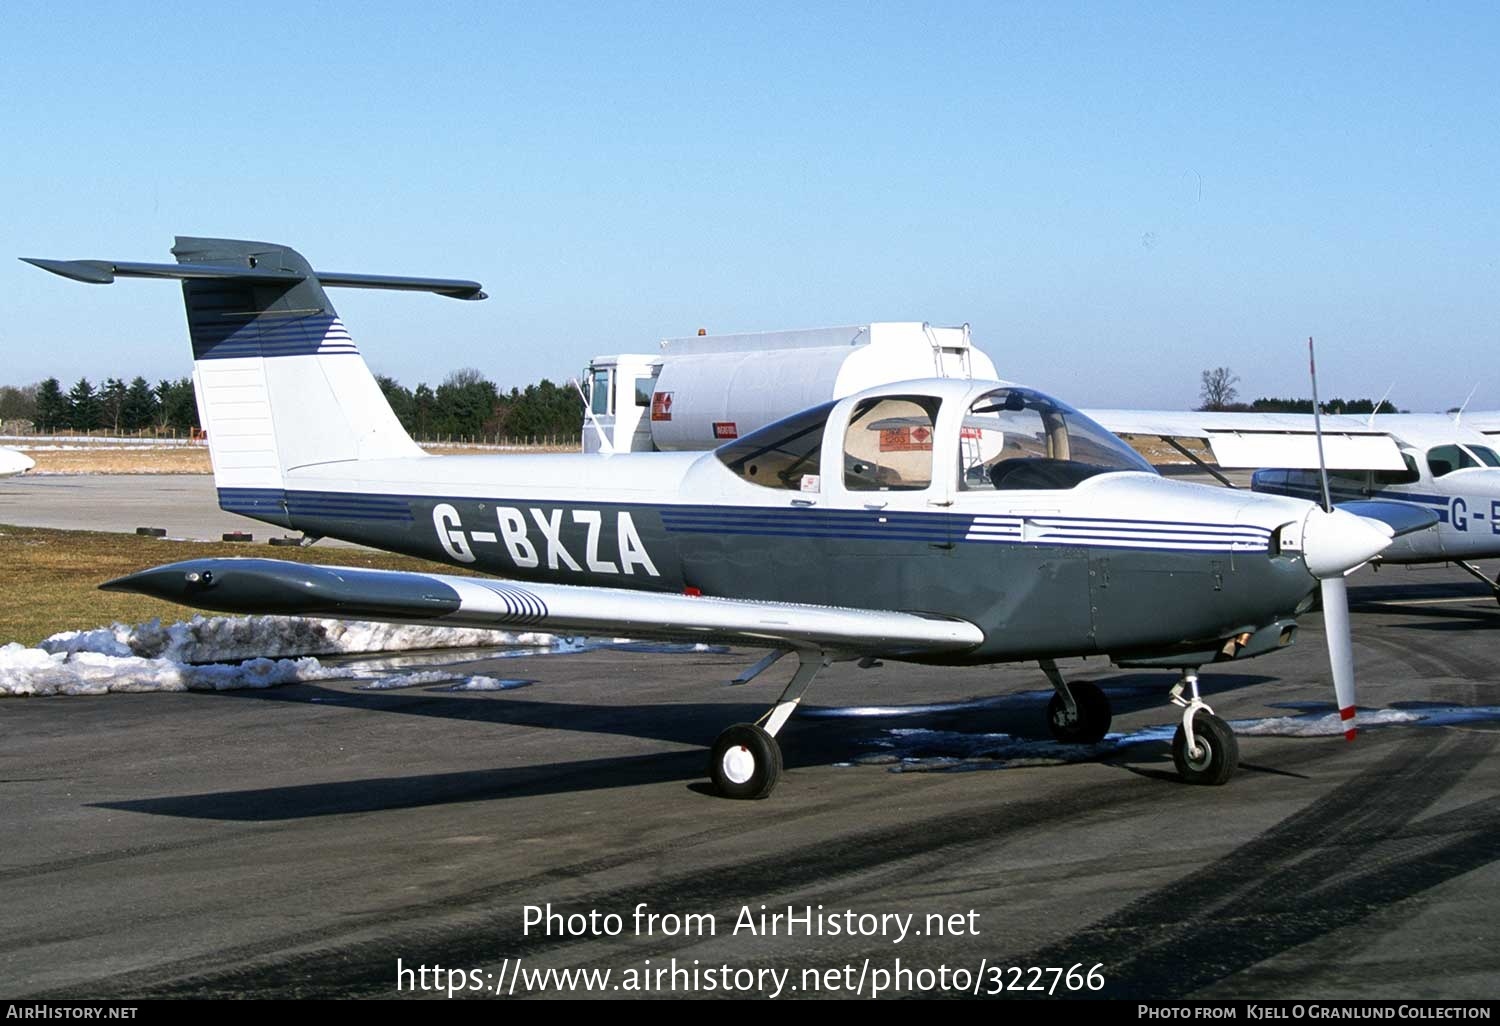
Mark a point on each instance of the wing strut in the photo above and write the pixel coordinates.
(1210, 468)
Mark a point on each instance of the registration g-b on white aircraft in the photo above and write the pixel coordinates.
(1445, 464)
(936, 521)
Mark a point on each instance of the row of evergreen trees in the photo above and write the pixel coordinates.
(1265, 405)
(465, 405)
(469, 405)
(114, 406)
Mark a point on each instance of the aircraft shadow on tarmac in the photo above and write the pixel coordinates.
(820, 738)
(1436, 618)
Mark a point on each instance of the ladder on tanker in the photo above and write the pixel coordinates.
(939, 351)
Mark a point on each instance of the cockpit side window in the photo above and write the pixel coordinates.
(1408, 476)
(888, 446)
(1014, 438)
(1445, 459)
(785, 454)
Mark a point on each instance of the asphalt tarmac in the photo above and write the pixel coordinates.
(299, 841)
(184, 505)
(316, 840)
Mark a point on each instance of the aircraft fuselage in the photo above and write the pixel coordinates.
(1042, 573)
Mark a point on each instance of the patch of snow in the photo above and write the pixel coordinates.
(489, 684)
(409, 680)
(205, 639)
(32, 671)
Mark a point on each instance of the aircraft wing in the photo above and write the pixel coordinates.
(241, 585)
(1254, 440)
(1486, 422)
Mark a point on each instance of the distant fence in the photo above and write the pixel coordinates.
(506, 441)
(172, 438)
(101, 438)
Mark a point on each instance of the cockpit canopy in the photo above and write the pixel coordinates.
(1002, 438)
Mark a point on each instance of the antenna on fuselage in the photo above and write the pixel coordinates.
(1378, 405)
(1459, 414)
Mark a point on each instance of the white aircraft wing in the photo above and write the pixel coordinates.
(1265, 439)
(1486, 422)
(296, 589)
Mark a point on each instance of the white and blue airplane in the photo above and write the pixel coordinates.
(1446, 464)
(936, 521)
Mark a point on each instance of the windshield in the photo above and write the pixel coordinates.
(1485, 455)
(1014, 438)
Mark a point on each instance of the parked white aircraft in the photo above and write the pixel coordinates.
(944, 521)
(12, 462)
(1447, 464)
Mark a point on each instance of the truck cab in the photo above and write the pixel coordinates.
(619, 389)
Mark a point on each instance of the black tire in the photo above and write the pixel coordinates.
(745, 762)
(1218, 756)
(1092, 721)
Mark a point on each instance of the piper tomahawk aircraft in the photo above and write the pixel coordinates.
(937, 521)
(12, 462)
(1445, 464)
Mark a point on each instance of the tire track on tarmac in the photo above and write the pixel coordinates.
(324, 967)
(1346, 856)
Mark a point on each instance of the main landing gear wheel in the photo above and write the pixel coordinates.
(1217, 753)
(745, 762)
(1090, 720)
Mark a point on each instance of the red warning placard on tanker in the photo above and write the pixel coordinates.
(906, 439)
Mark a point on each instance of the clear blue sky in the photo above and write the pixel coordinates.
(1115, 196)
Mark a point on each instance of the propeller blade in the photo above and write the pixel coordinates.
(1340, 648)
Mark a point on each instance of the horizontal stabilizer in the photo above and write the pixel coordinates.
(296, 589)
(104, 272)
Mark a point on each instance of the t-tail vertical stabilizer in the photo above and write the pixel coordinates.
(280, 384)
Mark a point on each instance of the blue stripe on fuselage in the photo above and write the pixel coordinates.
(788, 522)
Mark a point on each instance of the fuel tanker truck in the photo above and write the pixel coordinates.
(698, 392)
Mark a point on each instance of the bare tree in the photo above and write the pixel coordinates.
(1219, 392)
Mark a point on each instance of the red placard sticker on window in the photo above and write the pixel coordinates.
(906, 439)
(725, 429)
(661, 406)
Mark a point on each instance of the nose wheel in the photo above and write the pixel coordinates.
(1204, 748)
(1213, 754)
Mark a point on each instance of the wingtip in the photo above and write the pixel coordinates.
(90, 272)
(118, 584)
